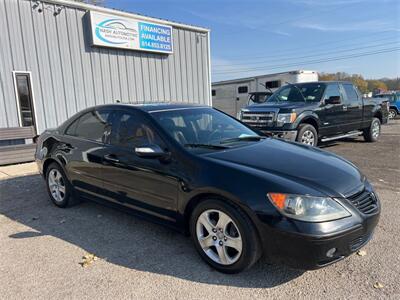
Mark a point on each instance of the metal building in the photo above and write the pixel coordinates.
(232, 95)
(58, 57)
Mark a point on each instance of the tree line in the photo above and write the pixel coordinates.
(364, 85)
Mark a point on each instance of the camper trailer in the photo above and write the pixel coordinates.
(231, 95)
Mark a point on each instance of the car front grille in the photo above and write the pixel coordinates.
(364, 201)
(258, 119)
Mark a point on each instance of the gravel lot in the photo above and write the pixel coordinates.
(41, 247)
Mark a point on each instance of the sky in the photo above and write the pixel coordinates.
(254, 37)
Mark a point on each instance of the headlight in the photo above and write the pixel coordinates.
(239, 115)
(285, 118)
(308, 208)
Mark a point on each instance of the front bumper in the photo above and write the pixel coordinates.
(289, 135)
(311, 251)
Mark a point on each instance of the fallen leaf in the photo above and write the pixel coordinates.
(35, 218)
(378, 285)
(361, 253)
(62, 221)
(88, 259)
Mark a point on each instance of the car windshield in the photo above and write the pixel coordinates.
(204, 129)
(299, 93)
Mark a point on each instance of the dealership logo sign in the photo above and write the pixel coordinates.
(115, 32)
(129, 33)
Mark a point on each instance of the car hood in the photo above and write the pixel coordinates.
(309, 166)
(279, 105)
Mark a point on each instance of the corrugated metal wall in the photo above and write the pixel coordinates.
(69, 75)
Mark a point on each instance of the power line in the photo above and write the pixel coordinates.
(252, 58)
(272, 67)
(311, 61)
(307, 56)
(316, 45)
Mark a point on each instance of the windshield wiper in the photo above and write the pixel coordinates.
(301, 93)
(243, 138)
(209, 146)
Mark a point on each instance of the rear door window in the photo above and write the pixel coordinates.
(93, 125)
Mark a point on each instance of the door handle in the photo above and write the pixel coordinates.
(66, 147)
(111, 158)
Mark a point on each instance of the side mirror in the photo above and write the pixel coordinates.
(333, 100)
(150, 151)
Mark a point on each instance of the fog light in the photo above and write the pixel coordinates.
(331, 252)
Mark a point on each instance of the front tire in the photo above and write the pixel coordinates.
(307, 135)
(224, 236)
(58, 186)
(372, 133)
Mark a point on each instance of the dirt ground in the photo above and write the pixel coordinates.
(41, 246)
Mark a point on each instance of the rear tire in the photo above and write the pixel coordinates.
(224, 236)
(372, 133)
(307, 135)
(392, 113)
(59, 188)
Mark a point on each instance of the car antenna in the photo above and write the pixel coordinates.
(301, 93)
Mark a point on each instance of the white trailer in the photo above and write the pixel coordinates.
(232, 95)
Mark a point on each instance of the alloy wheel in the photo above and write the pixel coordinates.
(392, 114)
(375, 129)
(308, 138)
(56, 185)
(219, 237)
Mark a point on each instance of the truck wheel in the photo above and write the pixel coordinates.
(372, 133)
(307, 135)
(392, 113)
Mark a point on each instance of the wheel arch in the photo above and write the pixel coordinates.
(378, 114)
(60, 161)
(308, 118)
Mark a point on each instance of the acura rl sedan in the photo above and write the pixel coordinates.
(238, 194)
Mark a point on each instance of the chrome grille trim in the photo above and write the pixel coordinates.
(258, 118)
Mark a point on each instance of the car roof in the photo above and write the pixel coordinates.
(324, 81)
(145, 107)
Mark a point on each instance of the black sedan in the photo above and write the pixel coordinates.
(237, 193)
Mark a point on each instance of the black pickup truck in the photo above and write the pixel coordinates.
(318, 111)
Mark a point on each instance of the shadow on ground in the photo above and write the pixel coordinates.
(120, 238)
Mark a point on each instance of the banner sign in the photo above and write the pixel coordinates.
(127, 33)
